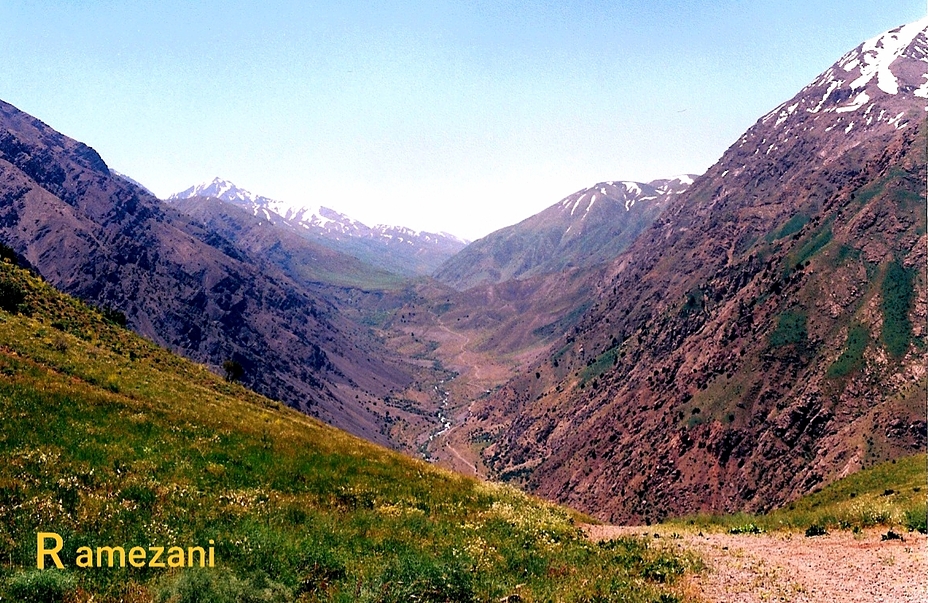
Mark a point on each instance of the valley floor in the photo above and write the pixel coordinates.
(838, 567)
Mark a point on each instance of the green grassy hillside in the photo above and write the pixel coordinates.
(108, 440)
(893, 494)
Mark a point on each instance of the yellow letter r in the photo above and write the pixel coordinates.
(41, 551)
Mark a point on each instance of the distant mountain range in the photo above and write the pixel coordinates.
(766, 334)
(393, 248)
(589, 227)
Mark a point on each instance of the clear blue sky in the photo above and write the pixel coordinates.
(462, 116)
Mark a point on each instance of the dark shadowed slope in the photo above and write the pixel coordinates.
(183, 285)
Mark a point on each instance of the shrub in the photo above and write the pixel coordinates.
(215, 586)
(815, 530)
(429, 580)
(916, 520)
(9, 254)
(233, 370)
(12, 297)
(114, 316)
(41, 586)
(748, 528)
(890, 535)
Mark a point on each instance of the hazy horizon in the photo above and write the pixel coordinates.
(456, 117)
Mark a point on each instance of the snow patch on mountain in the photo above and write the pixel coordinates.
(632, 188)
(319, 221)
(878, 54)
(882, 69)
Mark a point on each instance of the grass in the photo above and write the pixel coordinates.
(109, 440)
(791, 226)
(897, 295)
(892, 494)
(815, 244)
(852, 355)
(604, 362)
(790, 330)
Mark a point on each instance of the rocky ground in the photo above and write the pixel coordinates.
(840, 567)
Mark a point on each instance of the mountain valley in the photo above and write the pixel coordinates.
(722, 342)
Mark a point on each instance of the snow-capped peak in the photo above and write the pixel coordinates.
(877, 54)
(228, 192)
(867, 86)
(625, 193)
(317, 221)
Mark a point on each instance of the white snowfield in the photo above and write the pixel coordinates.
(877, 55)
(865, 73)
(319, 219)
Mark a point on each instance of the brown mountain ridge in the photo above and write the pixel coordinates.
(766, 335)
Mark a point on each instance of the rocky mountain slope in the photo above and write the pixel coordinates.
(393, 248)
(766, 334)
(589, 227)
(183, 284)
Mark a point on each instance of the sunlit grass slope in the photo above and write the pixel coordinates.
(108, 440)
(892, 494)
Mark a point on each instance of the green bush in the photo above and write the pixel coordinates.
(216, 586)
(9, 254)
(815, 530)
(233, 370)
(12, 297)
(41, 586)
(916, 520)
(114, 316)
(747, 528)
(413, 578)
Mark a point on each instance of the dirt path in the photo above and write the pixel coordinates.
(840, 567)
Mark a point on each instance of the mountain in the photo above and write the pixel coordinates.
(131, 181)
(393, 248)
(589, 227)
(766, 334)
(187, 287)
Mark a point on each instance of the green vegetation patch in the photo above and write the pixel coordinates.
(850, 359)
(173, 455)
(792, 226)
(604, 362)
(897, 292)
(889, 494)
(790, 330)
(818, 241)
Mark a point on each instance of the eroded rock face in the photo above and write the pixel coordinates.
(766, 333)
